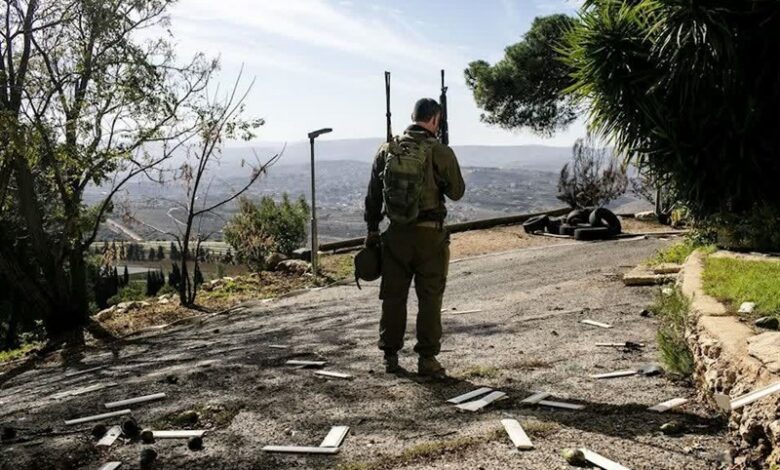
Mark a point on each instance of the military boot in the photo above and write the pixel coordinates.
(391, 363)
(430, 367)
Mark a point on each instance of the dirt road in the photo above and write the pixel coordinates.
(527, 338)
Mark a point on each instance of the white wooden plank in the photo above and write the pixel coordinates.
(111, 466)
(468, 396)
(335, 437)
(464, 312)
(335, 375)
(183, 434)
(668, 405)
(83, 390)
(535, 398)
(301, 450)
(87, 419)
(76, 373)
(612, 375)
(601, 461)
(482, 402)
(295, 362)
(596, 323)
(111, 435)
(517, 434)
(620, 345)
(135, 401)
(560, 404)
(278, 346)
(755, 395)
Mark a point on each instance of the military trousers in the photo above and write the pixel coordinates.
(420, 254)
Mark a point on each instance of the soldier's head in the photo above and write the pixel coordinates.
(427, 114)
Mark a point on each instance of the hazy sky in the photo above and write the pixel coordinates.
(320, 63)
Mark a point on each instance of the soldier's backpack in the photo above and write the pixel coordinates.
(406, 166)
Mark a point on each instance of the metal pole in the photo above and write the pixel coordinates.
(314, 244)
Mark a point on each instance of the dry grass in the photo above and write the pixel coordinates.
(530, 364)
(479, 372)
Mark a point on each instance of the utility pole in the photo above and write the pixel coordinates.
(314, 243)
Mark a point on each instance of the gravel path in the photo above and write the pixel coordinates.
(527, 338)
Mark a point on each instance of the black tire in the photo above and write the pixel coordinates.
(578, 216)
(603, 217)
(554, 225)
(593, 233)
(535, 224)
(566, 229)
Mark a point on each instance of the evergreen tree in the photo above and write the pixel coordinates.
(174, 278)
(126, 277)
(152, 254)
(160, 253)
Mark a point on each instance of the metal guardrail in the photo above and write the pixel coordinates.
(481, 224)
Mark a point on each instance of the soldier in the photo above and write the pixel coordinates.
(409, 179)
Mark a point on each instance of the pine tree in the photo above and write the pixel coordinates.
(126, 277)
(174, 278)
(160, 253)
(152, 254)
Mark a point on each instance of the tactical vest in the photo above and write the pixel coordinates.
(408, 179)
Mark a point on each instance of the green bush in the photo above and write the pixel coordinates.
(672, 310)
(258, 230)
(129, 293)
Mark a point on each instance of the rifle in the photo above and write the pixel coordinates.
(444, 131)
(388, 114)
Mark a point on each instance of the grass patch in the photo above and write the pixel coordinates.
(672, 311)
(536, 428)
(735, 281)
(13, 354)
(338, 267)
(482, 372)
(678, 253)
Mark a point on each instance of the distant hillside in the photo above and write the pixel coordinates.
(527, 157)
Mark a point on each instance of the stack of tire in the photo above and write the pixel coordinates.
(582, 224)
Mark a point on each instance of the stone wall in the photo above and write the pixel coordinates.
(731, 358)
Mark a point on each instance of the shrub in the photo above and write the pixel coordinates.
(258, 230)
(131, 292)
(593, 178)
(672, 310)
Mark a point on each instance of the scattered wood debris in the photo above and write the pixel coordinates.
(335, 437)
(83, 372)
(596, 323)
(134, 401)
(83, 390)
(727, 404)
(301, 450)
(482, 402)
(335, 375)
(183, 434)
(110, 436)
(535, 398)
(468, 396)
(668, 405)
(601, 461)
(461, 312)
(87, 419)
(559, 404)
(278, 346)
(517, 435)
(111, 466)
(294, 362)
(625, 344)
(612, 375)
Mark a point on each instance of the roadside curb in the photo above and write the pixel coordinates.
(721, 347)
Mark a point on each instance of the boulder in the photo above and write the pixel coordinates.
(294, 266)
(273, 260)
(770, 323)
(646, 216)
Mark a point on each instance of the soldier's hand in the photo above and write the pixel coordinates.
(373, 239)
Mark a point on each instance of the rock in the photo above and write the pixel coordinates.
(147, 436)
(188, 418)
(766, 348)
(646, 216)
(8, 433)
(667, 268)
(99, 430)
(671, 428)
(148, 456)
(747, 307)
(171, 379)
(106, 314)
(574, 457)
(294, 266)
(163, 301)
(273, 260)
(130, 428)
(195, 443)
(645, 313)
(770, 323)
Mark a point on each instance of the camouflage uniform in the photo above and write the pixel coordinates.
(419, 251)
